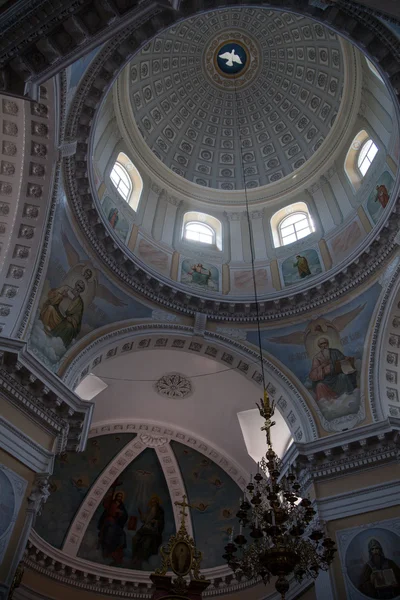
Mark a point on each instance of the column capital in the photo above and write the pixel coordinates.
(233, 216)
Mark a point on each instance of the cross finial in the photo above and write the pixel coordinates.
(182, 512)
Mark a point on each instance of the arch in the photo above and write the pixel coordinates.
(384, 358)
(149, 433)
(208, 223)
(127, 180)
(359, 158)
(286, 234)
(244, 360)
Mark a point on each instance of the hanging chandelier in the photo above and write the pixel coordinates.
(284, 539)
(279, 535)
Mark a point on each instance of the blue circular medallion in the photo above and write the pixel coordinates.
(231, 58)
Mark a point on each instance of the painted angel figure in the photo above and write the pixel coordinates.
(63, 310)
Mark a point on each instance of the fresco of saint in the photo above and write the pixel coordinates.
(381, 576)
(382, 195)
(62, 312)
(302, 266)
(113, 217)
(112, 537)
(148, 538)
(332, 373)
(200, 275)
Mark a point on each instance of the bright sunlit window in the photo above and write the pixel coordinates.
(366, 156)
(199, 232)
(294, 227)
(121, 181)
(374, 69)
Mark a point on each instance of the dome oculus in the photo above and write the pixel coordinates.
(231, 59)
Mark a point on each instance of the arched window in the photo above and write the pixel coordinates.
(359, 158)
(127, 180)
(199, 232)
(203, 228)
(366, 156)
(121, 180)
(294, 227)
(291, 223)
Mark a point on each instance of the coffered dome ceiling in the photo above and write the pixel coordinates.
(279, 104)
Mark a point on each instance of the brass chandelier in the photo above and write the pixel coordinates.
(285, 539)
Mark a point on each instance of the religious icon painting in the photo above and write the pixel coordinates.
(199, 275)
(380, 196)
(370, 557)
(301, 266)
(181, 558)
(115, 218)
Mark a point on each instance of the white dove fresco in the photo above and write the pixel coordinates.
(230, 58)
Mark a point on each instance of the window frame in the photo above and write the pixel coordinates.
(128, 183)
(203, 225)
(372, 146)
(304, 217)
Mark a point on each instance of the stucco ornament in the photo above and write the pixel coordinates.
(174, 385)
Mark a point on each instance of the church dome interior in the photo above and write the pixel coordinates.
(199, 300)
(195, 145)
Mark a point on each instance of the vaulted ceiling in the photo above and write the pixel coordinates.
(283, 104)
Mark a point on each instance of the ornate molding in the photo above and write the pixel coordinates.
(27, 181)
(174, 385)
(43, 397)
(26, 450)
(347, 452)
(384, 359)
(175, 483)
(155, 429)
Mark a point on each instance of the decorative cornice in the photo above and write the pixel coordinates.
(347, 452)
(24, 448)
(43, 397)
(376, 497)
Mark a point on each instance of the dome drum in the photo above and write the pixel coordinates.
(155, 230)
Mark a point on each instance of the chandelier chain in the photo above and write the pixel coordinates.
(251, 236)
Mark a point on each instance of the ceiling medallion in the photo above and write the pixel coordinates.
(174, 385)
(231, 59)
(226, 71)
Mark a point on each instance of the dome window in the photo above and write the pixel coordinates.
(359, 158)
(291, 223)
(127, 180)
(121, 180)
(202, 228)
(366, 155)
(199, 232)
(294, 227)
